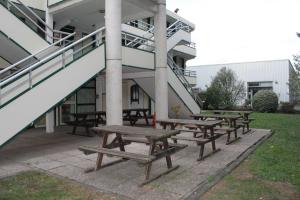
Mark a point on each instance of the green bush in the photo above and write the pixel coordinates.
(286, 107)
(265, 101)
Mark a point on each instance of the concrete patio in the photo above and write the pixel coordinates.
(57, 154)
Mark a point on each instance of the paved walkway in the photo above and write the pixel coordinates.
(57, 154)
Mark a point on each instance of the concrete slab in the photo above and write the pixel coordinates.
(58, 154)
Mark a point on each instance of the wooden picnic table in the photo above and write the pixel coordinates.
(153, 137)
(231, 119)
(132, 115)
(244, 113)
(82, 120)
(203, 125)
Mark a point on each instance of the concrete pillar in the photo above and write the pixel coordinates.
(113, 18)
(50, 116)
(49, 22)
(161, 71)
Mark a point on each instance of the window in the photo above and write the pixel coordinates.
(135, 94)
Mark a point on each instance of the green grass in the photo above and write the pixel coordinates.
(273, 170)
(39, 186)
(279, 158)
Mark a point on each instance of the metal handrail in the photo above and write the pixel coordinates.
(48, 58)
(178, 25)
(183, 80)
(38, 18)
(146, 26)
(41, 20)
(34, 55)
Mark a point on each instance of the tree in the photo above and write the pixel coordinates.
(225, 90)
(294, 80)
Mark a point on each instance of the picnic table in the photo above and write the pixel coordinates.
(232, 121)
(153, 138)
(134, 114)
(244, 113)
(82, 120)
(204, 126)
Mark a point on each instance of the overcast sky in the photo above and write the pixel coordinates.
(242, 30)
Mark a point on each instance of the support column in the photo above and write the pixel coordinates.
(161, 71)
(113, 18)
(49, 22)
(50, 116)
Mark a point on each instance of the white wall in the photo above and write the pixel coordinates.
(276, 71)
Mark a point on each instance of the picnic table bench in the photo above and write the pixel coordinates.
(134, 114)
(151, 137)
(232, 122)
(245, 117)
(82, 120)
(200, 141)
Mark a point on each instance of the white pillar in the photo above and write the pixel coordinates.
(161, 71)
(50, 116)
(113, 18)
(49, 22)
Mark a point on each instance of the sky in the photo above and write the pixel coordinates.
(230, 31)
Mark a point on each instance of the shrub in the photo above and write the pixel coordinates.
(287, 107)
(265, 101)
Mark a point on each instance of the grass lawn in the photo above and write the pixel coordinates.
(273, 171)
(39, 186)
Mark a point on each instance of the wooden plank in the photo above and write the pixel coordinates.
(216, 116)
(155, 134)
(201, 140)
(134, 156)
(191, 122)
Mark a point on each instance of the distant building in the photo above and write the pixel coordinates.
(268, 75)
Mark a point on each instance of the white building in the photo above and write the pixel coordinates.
(70, 56)
(273, 75)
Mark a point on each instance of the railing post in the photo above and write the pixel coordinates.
(8, 5)
(63, 59)
(0, 96)
(30, 79)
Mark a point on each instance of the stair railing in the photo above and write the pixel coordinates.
(60, 34)
(64, 60)
(181, 76)
(22, 63)
(150, 30)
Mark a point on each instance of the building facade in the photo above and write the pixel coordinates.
(59, 57)
(268, 75)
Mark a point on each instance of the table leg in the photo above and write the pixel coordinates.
(146, 118)
(103, 143)
(121, 142)
(149, 165)
(168, 157)
(213, 142)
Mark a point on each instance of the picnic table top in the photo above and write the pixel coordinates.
(217, 116)
(151, 133)
(192, 122)
(136, 109)
(233, 111)
(90, 113)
